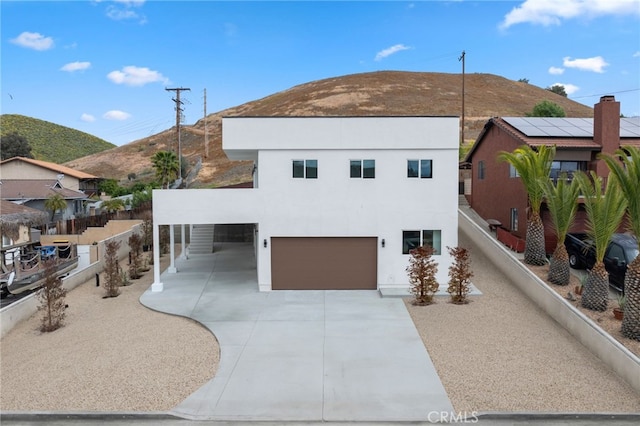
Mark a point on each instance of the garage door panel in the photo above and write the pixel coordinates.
(323, 263)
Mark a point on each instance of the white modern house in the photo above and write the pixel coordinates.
(337, 202)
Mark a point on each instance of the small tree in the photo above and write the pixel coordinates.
(523, 80)
(147, 233)
(113, 278)
(51, 296)
(55, 203)
(135, 246)
(459, 275)
(113, 205)
(165, 239)
(14, 145)
(558, 89)
(422, 271)
(547, 109)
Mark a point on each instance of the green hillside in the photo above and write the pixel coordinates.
(52, 142)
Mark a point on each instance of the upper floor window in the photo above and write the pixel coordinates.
(305, 169)
(513, 173)
(363, 169)
(481, 170)
(566, 168)
(419, 169)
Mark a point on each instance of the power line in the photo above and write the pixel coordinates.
(604, 94)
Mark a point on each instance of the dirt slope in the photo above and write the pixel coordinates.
(384, 93)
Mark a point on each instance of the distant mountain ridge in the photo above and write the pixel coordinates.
(52, 142)
(382, 93)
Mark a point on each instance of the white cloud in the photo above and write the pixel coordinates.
(126, 10)
(136, 76)
(595, 64)
(553, 12)
(390, 51)
(87, 118)
(76, 66)
(568, 88)
(35, 41)
(556, 70)
(637, 54)
(116, 115)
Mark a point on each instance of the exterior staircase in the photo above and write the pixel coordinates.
(201, 239)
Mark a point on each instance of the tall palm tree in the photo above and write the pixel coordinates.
(167, 167)
(55, 203)
(532, 166)
(604, 214)
(626, 168)
(561, 200)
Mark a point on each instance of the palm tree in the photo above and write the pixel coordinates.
(628, 178)
(55, 203)
(113, 205)
(604, 214)
(167, 167)
(561, 200)
(532, 166)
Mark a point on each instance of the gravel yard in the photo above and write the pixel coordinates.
(112, 355)
(502, 353)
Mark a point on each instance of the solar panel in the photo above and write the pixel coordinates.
(552, 126)
(568, 127)
(630, 127)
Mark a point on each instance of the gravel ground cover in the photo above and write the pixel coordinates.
(112, 355)
(604, 319)
(502, 353)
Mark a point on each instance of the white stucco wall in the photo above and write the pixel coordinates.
(334, 204)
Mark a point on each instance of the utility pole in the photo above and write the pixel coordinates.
(461, 58)
(178, 120)
(206, 134)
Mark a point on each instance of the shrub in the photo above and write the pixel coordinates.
(113, 278)
(459, 275)
(165, 239)
(422, 271)
(52, 302)
(135, 245)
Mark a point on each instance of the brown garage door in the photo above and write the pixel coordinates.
(324, 263)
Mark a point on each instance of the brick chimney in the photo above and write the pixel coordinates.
(606, 129)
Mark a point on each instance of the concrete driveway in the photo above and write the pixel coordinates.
(299, 355)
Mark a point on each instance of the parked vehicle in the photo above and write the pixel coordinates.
(622, 250)
(23, 268)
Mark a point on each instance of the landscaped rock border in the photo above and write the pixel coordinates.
(606, 348)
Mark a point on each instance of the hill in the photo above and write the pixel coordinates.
(52, 142)
(384, 93)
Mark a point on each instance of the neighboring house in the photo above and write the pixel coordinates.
(496, 190)
(337, 202)
(28, 168)
(34, 192)
(16, 222)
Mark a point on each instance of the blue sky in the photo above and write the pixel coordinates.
(102, 66)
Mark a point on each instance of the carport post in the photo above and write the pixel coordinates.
(172, 266)
(183, 247)
(157, 284)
